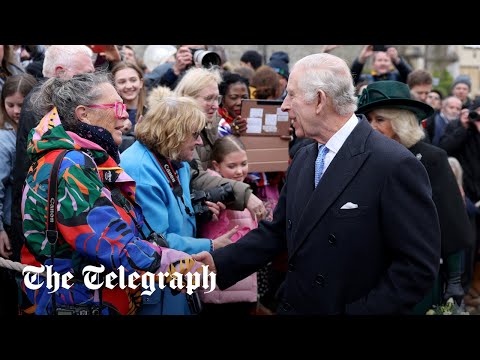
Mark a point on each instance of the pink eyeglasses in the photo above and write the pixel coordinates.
(119, 107)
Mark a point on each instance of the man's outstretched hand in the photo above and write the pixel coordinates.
(206, 258)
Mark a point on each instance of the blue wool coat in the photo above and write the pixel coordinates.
(166, 215)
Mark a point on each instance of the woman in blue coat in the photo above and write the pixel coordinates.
(158, 162)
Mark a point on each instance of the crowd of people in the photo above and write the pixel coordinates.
(107, 162)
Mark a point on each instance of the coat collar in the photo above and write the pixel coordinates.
(336, 178)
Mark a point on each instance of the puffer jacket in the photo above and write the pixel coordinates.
(245, 290)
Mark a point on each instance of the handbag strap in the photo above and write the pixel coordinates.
(52, 232)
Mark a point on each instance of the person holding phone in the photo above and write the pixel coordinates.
(386, 64)
(107, 56)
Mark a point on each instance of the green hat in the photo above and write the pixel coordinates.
(391, 94)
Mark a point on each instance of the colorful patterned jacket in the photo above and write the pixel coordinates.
(93, 228)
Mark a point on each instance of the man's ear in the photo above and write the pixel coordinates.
(81, 113)
(216, 166)
(321, 101)
(60, 71)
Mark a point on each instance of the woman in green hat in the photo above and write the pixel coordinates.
(390, 110)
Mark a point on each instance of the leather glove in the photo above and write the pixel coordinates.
(454, 288)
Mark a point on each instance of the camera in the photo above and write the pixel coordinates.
(158, 239)
(380, 47)
(223, 193)
(78, 310)
(473, 116)
(205, 58)
(194, 303)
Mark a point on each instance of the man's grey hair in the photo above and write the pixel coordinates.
(332, 75)
(62, 55)
(67, 94)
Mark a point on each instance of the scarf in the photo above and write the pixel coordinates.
(225, 115)
(99, 136)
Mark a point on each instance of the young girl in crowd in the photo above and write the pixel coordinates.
(229, 160)
(15, 89)
(128, 80)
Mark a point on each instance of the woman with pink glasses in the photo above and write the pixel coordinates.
(98, 221)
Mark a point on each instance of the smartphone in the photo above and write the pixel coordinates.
(98, 48)
(380, 48)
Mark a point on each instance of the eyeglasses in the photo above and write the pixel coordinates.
(119, 107)
(196, 134)
(212, 98)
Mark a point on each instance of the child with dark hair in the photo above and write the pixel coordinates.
(14, 90)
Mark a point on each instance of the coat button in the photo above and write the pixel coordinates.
(332, 240)
(291, 267)
(320, 280)
(289, 223)
(286, 306)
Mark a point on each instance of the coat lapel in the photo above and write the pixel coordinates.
(304, 189)
(336, 178)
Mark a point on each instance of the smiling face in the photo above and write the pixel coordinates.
(382, 63)
(104, 118)
(234, 166)
(302, 114)
(128, 84)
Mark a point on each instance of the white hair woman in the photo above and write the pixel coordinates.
(391, 111)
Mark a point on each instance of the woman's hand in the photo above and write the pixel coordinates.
(256, 207)
(239, 125)
(225, 239)
(215, 208)
(5, 247)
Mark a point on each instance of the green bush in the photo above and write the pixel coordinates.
(445, 81)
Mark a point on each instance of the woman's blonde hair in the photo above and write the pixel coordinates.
(197, 79)
(456, 169)
(405, 124)
(169, 123)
